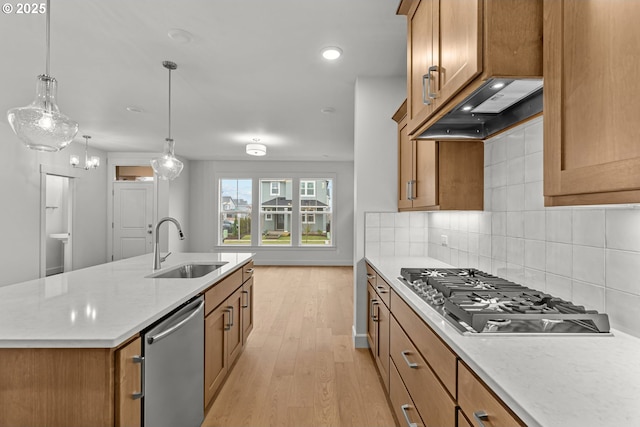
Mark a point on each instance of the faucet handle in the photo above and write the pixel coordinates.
(163, 258)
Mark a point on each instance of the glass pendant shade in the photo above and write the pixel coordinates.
(40, 125)
(167, 166)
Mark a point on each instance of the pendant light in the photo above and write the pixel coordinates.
(167, 166)
(40, 125)
(89, 162)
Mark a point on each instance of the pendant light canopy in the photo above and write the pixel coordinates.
(40, 125)
(168, 166)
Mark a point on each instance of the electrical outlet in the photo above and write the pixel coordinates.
(444, 240)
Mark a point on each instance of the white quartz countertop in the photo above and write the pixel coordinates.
(100, 306)
(546, 380)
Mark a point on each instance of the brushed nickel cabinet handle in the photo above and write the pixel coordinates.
(140, 360)
(425, 82)
(249, 270)
(247, 305)
(382, 289)
(371, 276)
(406, 416)
(430, 94)
(480, 416)
(412, 365)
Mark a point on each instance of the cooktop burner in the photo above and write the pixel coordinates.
(478, 302)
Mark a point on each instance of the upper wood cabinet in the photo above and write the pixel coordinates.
(591, 86)
(454, 46)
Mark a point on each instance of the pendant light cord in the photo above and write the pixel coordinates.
(48, 19)
(169, 103)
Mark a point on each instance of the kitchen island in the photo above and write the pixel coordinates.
(67, 341)
(545, 380)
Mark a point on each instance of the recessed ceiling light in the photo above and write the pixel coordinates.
(498, 86)
(180, 36)
(331, 53)
(467, 108)
(328, 110)
(134, 109)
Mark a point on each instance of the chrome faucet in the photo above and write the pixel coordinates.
(157, 259)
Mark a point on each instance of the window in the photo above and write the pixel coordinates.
(316, 212)
(275, 212)
(307, 188)
(275, 188)
(283, 217)
(235, 211)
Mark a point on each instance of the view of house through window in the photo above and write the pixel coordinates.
(276, 200)
(235, 211)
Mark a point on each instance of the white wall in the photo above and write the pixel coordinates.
(179, 209)
(203, 215)
(20, 212)
(375, 173)
(589, 255)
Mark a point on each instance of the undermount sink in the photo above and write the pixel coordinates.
(188, 271)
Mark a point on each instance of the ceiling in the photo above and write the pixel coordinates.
(252, 69)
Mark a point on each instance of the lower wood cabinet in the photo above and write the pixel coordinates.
(129, 384)
(401, 402)
(216, 359)
(247, 309)
(378, 333)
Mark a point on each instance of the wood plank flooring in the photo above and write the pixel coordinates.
(299, 367)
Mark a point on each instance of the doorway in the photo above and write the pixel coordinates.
(56, 236)
(132, 219)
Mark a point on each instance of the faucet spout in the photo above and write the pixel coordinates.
(157, 259)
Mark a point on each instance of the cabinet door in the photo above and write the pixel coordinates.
(403, 407)
(591, 86)
(247, 309)
(216, 362)
(406, 166)
(426, 173)
(234, 332)
(421, 27)
(459, 46)
(382, 347)
(129, 384)
(372, 325)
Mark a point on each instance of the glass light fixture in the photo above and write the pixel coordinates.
(256, 149)
(40, 125)
(168, 166)
(89, 162)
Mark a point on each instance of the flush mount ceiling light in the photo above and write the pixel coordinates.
(180, 36)
(40, 125)
(331, 53)
(89, 162)
(168, 166)
(256, 149)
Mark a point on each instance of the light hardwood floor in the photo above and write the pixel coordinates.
(299, 367)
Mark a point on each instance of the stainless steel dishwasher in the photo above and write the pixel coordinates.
(174, 368)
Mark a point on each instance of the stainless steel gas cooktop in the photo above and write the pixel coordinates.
(476, 302)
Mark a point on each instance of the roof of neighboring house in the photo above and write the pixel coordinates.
(283, 201)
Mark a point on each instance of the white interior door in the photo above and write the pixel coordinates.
(132, 219)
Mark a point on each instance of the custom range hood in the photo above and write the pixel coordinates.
(494, 106)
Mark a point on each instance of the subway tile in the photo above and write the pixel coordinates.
(499, 248)
(622, 309)
(515, 251)
(514, 140)
(372, 219)
(535, 254)
(515, 224)
(623, 229)
(558, 258)
(372, 234)
(621, 271)
(588, 264)
(535, 225)
(387, 234)
(387, 219)
(515, 171)
(533, 167)
(559, 286)
(533, 137)
(533, 196)
(558, 225)
(499, 224)
(515, 197)
(499, 175)
(588, 227)
(589, 295)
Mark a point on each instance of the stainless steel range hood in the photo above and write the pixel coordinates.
(494, 106)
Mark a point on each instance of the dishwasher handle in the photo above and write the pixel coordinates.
(152, 339)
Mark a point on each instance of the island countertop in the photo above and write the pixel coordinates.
(100, 306)
(546, 380)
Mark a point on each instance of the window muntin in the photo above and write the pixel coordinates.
(276, 212)
(275, 188)
(307, 188)
(316, 213)
(235, 211)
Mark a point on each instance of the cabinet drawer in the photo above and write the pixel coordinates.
(382, 288)
(403, 408)
(247, 271)
(475, 398)
(441, 359)
(219, 292)
(371, 276)
(434, 404)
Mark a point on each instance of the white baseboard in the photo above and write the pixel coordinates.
(359, 340)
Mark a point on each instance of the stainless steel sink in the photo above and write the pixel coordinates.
(188, 271)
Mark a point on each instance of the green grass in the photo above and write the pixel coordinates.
(281, 241)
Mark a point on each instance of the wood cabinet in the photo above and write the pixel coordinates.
(129, 384)
(478, 403)
(378, 323)
(247, 309)
(436, 175)
(216, 357)
(454, 46)
(401, 402)
(591, 86)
